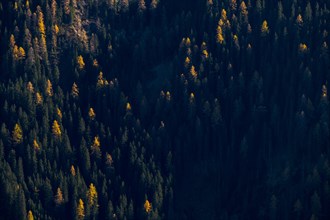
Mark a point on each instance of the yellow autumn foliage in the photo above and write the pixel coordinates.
(56, 129)
(91, 113)
(80, 210)
(80, 62)
(147, 206)
(17, 134)
(30, 215)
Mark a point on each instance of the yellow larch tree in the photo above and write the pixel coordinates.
(92, 198)
(302, 48)
(147, 206)
(109, 160)
(17, 134)
(59, 197)
(193, 72)
(42, 31)
(30, 215)
(128, 106)
(49, 88)
(59, 113)
(36, 145)
(91, 113)
(220, 38)
(56, 129)
(80, 62)
(80, 210)
(187, 62)
(38, 98)
(264, 28)
(96, 146)
(101, 82)
(73, 171)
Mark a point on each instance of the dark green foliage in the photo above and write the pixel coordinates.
(206, 109)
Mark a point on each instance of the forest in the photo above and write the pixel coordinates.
(164, 109)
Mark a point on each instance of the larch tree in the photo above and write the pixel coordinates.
(17, 134)
(75, 90)
(92, 199)
(96, 147)
(56, 129)
(147, 206)
(264, 28)
(80, 211)
(80, 62)
(91, 114)
(30, 215)
(59, 197)
(49, 88)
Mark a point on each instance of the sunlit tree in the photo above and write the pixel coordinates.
(17, 134)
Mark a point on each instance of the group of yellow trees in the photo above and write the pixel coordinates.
(91, 203)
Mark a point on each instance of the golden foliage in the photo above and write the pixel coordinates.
(128, 107)
(92, 196)
(56, 129)
(91, 113)
(36, 145)
(59, 197)
(193, 72)
(101, 82)
(95, 63)
(187, 62)
(96, 145)
(12, 41)
(49, 88)
(75, 90)
(59, 113)
(38, 98)
(73, 171)
(18, 53)
(188, 42)
(303, 48)
(109, 160)
(30, 215)
(80, 62)
(17, 134)
(243, 8)
(264, 28)
(220, 38)
(56, 29)
(27, 4)
(299, 20)
(147, 206)
(223, 15)
(41, 24)
(205, 54)
(80, 210)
